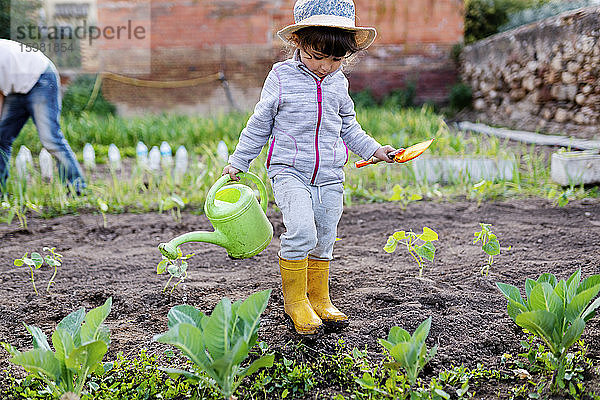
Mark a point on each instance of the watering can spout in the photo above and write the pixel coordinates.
(169, 249)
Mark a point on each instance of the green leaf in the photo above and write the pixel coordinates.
(510, 292)
(264, 361)
(428, 235)
(161, 268)
(251, 309)
(18, 262)
(398, 335)
(189, 339)
(218, 329)
(492, 247)
(39, 363)
(185, 314)
(72, 324)
(391, 245)
(540, 323)
(513, 309)
(591, 310)
(37, 259)
(92, 328)
(86, 356)
(548, 278)
(399, 235)
(422, 331)
(40, 341)
(63, 344)
(529, 285)
(579, 303)
(573, 333)
(543, 298)
(366, 381)
(426, 251)
(405, 353)
(589, 283)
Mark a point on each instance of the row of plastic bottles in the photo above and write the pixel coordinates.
(153, 160)
(24, 160)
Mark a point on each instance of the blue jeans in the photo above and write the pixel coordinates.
(43, 104)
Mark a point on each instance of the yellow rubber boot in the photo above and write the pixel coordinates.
(296, 304)
(318, 294)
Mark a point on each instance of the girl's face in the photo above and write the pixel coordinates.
(318, 63)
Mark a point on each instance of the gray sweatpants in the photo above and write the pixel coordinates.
(310, 215)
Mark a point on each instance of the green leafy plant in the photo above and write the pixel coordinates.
(54, 260)
(419, 246)
(80, 342)
(555, 311)
(177, 268)
(560, 198)
(489, 244)
(218, 343)
(409, 351)
(103, 208)
(174, 203)
(34, 262)
(403, 196)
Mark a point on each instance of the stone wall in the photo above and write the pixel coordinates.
(544, 76)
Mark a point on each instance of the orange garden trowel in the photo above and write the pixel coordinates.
(400, 155)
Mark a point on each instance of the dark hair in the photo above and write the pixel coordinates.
(328, 40)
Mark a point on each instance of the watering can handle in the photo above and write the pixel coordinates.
(222, 181)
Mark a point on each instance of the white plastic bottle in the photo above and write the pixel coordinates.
(223, 151)
(141, 152)
(89, 156)
(181, 160)
(114, 156)
(23, 161)
(154, 159)
(166, 155)
(46, 165)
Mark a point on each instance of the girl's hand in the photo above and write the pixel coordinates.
(382, 153)
(232, 172)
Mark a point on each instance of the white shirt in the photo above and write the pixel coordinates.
(20, 69)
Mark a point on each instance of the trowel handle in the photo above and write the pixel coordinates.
(222, 181)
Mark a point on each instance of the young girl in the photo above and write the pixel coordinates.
(306, 111)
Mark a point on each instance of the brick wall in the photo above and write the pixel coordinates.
(194, 38)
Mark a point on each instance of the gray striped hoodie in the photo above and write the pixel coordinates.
(310, 122)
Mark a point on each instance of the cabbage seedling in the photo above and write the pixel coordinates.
(219, 343)
(555, 311)
(177, 268)
(424, 250)
(489, 244)
(409, 351)
(54, 260)
(80, 342)
(34, 262)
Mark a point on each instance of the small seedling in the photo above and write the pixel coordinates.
(177, 268)
(559, 198)
(54, 260)
(409, 351)
(424, 250)
(103, 207)
(489, 244)
(34, 262)
(402, 196)
(173, 203)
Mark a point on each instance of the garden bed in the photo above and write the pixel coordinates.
(377, 290)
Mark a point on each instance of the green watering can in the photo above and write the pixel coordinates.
(241, 225)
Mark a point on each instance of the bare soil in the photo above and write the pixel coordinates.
(377, 290)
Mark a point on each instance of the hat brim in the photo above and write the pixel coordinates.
(364, 35)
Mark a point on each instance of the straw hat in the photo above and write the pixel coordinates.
(332, 13)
